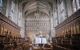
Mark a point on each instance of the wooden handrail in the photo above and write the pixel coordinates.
(61, 47)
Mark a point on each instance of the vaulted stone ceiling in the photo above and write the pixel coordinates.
(36, 6)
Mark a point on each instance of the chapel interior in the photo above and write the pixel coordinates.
(39, 24)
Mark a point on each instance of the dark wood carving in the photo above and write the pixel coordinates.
(70, 25)
(68, 32)
(9, 33)
(6, 25)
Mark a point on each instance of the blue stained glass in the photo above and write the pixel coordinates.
(1, 3)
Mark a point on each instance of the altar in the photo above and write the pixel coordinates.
(41, 43)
